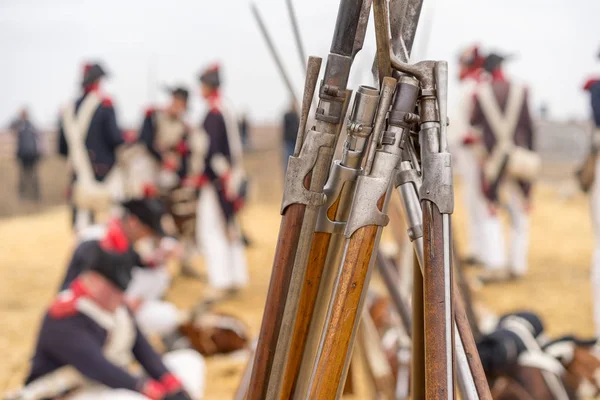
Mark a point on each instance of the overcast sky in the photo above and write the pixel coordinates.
(148, 43)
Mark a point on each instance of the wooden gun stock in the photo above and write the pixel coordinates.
(287, 243)
(344, 312)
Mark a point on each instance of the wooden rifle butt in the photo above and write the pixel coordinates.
(344, 313)
(438, 357)
(285, 253)
(417, 373)
(308, 298)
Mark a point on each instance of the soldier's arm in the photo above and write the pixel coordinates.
(147, 135)
(148, 358)
(63, 147)
(528, 123)
(218, 159)
(69, 341)
(595, 98)
(114, 135)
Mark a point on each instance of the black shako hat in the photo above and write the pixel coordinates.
(211, 76)
(91, 73)
(493, 61)
(116, 267)
(149, 211)
(178, 91)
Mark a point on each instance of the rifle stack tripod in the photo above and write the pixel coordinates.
(333, 214)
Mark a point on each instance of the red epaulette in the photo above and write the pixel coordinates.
(590, 82)
(107, 102)
(150, 111)
(65, 305)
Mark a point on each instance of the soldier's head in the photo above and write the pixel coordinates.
(24, 114)
(179, 101)
(92, 74)
(493, 65)
(210, 81)
(143, 219)
(470, 61)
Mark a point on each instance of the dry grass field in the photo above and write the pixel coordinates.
(35, 248)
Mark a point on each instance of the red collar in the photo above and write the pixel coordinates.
(498, 76)
(214, 100)
(115, 239)
(590, 82)
(93, 87)
(475, 74)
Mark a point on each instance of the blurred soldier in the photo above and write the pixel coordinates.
(89, 137)
(173, 161)
(88, 339)
(244, 131)
(140, 230)
(28, 155)
(501, 112)
(223, 194)
(170, 142)
(291, 122)
(468, 150)
(593, 87)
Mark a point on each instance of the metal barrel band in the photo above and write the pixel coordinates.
(408, 176)
(437, 184)
(369, 190)
(338, 177)
(299, 167)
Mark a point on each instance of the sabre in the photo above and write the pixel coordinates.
(273, 51)
(303, 196)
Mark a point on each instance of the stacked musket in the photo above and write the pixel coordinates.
(334, 214)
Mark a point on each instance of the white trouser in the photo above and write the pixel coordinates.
(494, 248)
(475, 204)
(83, 219)
(595, 272)
(154, 316)
(224, 257)
(187, 365)
(519, 232)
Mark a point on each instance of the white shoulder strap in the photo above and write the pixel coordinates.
(502, 124)
(103, 318)
(76, 128)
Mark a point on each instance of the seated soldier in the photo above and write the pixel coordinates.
(88, 339)
(137, 233)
